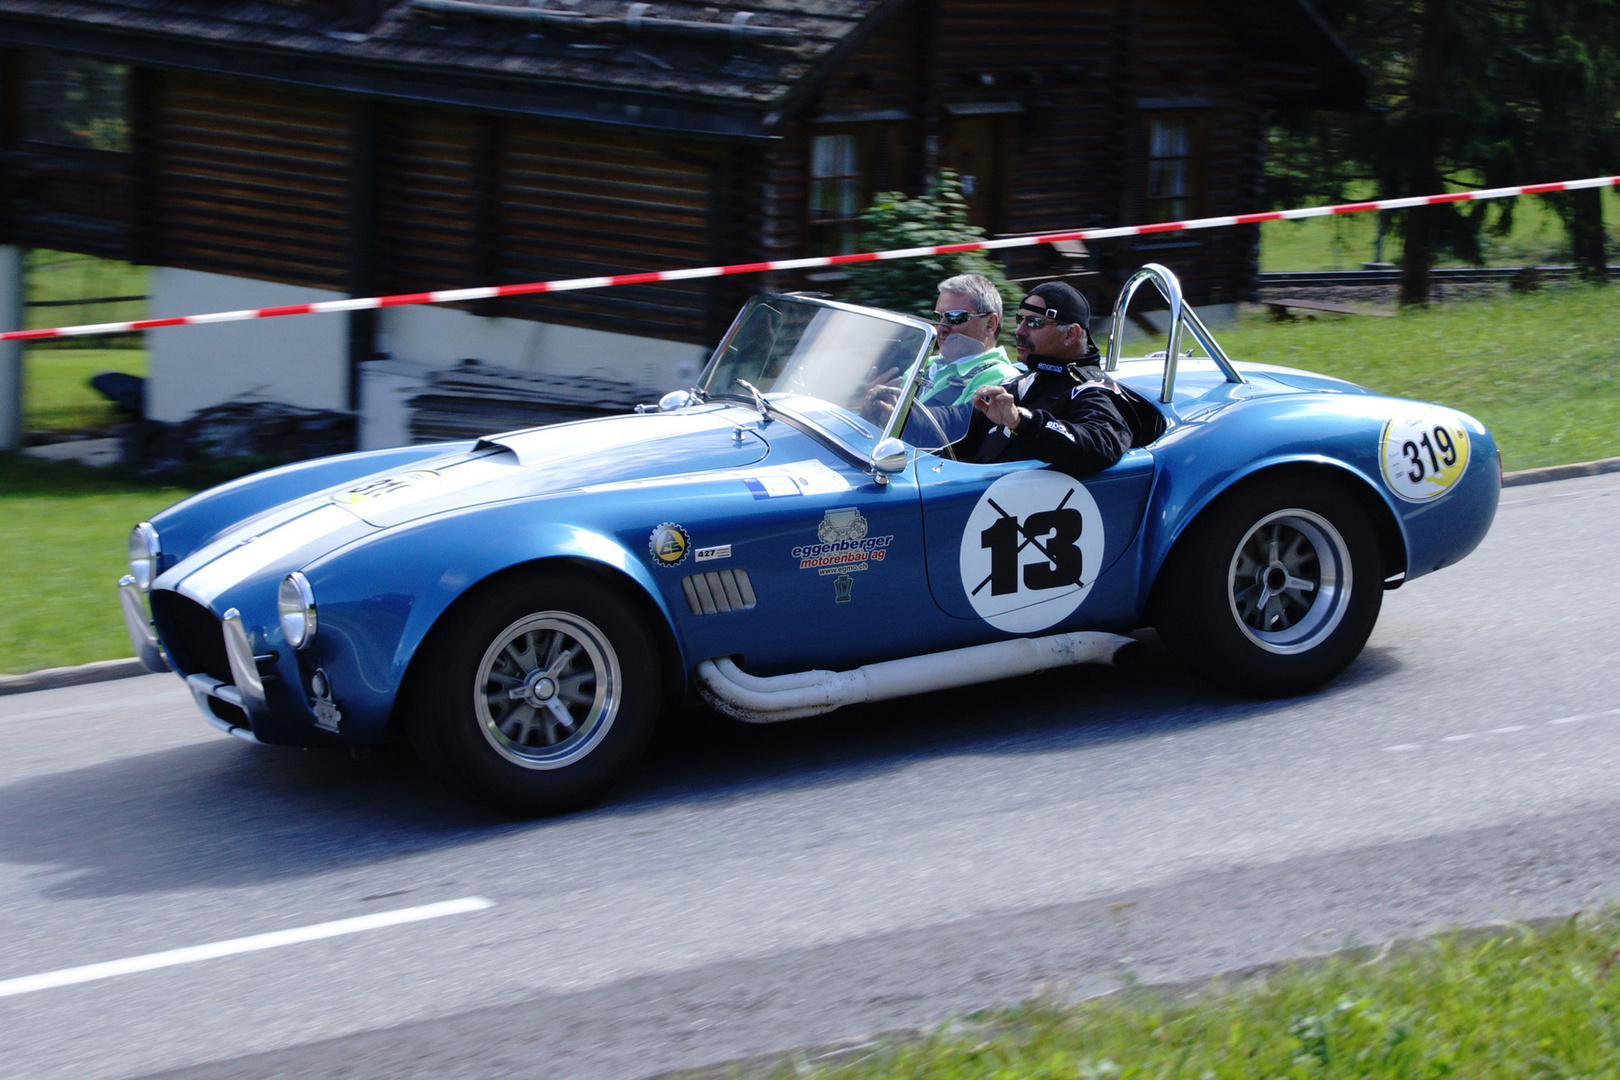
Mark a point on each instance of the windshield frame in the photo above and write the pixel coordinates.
(812, 425)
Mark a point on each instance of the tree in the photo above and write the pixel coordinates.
(938, 216)
(1465, 93)
(1568, 81)
(1435, 117)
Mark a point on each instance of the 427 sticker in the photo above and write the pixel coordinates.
(1031, 550)
(1424, 454)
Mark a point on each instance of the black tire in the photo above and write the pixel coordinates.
(1275, 587)
(588, 671)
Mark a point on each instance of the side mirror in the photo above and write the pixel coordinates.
(675, 399)
(889, 456)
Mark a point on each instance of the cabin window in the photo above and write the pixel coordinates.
(835, 191)
(1172, 168)
(75, 101)
(847, 168)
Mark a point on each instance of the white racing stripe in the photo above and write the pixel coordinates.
(27, 984)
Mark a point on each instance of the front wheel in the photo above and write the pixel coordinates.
(1274, 589)
(538, 694)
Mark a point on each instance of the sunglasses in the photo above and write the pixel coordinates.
(957, 318)
(1035, 322)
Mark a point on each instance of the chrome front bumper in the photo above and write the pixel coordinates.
(206, 690)
(139, 624)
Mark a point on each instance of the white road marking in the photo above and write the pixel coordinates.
(27, 984)
(1508, 730)
(1585, 716)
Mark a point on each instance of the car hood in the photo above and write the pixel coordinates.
(561, 457)
(517, 465)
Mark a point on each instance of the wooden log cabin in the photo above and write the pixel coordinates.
(266, 151)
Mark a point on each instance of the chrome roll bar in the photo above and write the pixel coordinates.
(1180, 313)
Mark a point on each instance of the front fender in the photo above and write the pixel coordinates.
(379, 598)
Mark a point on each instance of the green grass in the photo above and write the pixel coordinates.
(56, 387)
(63, 275)
(1513, 1007)
(1345, 241)
(56, 394)
(63, 527)
(1538, 369)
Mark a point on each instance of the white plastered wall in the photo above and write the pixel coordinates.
(299, 360)
(423, 338)
(303, 359)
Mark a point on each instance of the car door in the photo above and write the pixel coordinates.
(1026, 549)
(833, 562)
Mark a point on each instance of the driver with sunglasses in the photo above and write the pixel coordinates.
(969, 315)
(1066, 411)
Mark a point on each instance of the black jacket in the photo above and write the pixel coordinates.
(1078, 421)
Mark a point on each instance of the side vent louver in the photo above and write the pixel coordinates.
(718, 592)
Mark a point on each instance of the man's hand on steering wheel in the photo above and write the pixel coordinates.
(880, 395)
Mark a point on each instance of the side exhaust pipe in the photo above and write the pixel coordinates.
(766, 700)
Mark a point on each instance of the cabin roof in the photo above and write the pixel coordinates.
(723, 67)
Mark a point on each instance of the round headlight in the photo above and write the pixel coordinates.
(144, 555)
(295, 603)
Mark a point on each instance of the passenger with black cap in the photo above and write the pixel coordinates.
(1066, 411)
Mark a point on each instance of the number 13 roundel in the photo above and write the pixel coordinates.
(1031, 550)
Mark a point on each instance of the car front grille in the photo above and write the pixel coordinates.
(191, 634)
(719, 592)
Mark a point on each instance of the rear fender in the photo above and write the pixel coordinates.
(1183, 503)
(1338, 435)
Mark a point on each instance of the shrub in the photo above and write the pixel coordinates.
(937, 216)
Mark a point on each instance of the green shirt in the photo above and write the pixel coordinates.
(953, 383)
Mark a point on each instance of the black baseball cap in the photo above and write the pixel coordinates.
(1058, 301)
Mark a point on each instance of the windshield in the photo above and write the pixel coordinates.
(840, 369)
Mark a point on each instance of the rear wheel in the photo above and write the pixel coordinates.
(538, 693)
(1275, 588)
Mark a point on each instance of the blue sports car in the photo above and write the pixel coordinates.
(523, 607)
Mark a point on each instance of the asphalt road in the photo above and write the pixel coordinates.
(751, 890)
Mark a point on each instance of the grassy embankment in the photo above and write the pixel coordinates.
(64, 526)
(1510, 1007)
(1539, 369)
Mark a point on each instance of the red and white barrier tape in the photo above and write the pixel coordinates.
(486, 292)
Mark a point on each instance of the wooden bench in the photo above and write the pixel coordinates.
(1280, 308)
